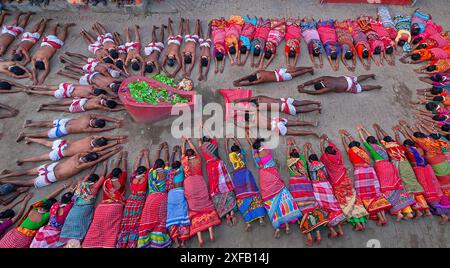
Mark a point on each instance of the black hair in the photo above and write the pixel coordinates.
(204, 62)
(348, 55)
(40, 65)
(388, 139)
(17, 70)
(408, 142)
(148, 68)
(333, 55)
(436, 90)
(108, 60)
(435, 136)
(437, 78)
(111, 104)
(115, 87)
(438, 98)
(176, 164)
(190, 152)
(415, 56)
(243, 49)
(206, 139)
(100, 142)
(439, 117)
(431, 106)
(232, 50)
(257, 51)
(354, 144)
(66, 198)
(291, 53)
(268, 54)
(421, 46)
(252, 78)
(5, 85)
(246, 116)
(116, 172)
(313, 157)
(141, 170)
(17, 57)
(294, 153)
(330, 150)
(447, 137)
(235, 148)
(418, 134)
(159, 163)
(49, 203)
(255, 102)
(377, 50)
(135, 66)
(93, 178)
(188, 59)
(431, 68)
(401, 42)
(416, 40)
(7, 214)
(258, 143)
(445, 127)
(113, 53)
(318, 86)
(219, 56)
(99, 91)
(416, 30)
(171, 62)
(389, 50)
(92, 156)
(371, 140)
(99, 123)
(119, 64)
(365, 54)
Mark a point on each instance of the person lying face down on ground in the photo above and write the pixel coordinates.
(95, 47)
(21, 52)
(7, 86)
(345, 39)
(233, 29)
(259, 41)
(204, 56)
(66, 148)
(67, 90)
(82, 105)
(360, 42)
(61, 127)
(276, 35)
(293, 38)
(107, 40)
(122, 53)
(434, 67)
(376, 45)
(172, 56)
(426, 54)
(315, 47)
(190, 46)
(246, 38)
(10, 32)
(327, 33)
(15, 70)
(90, 65)
(279, 75)
(152, 52)
(50, 44)
(57, 171)
(286, 105)
(339, 84)
(133, 50)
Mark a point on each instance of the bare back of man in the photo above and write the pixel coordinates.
(326, 84)
(172, 57)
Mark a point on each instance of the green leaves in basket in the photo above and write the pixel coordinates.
(143, 92)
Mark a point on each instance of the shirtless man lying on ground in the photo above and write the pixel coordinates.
(172, 56)
(152, 52)
(286, 105)
(205, 54)
(66, 90)
(82, 105)
(279, 75)
(21, 50)
(65, 148)
(49, 46)
(61, 127)
(325, 84)
(57, 171)
(6, 86)
(133, 50)
(95, 47)
(9, 33)
(15, 70)
(90, 65)
(190, 47)
(106, 40)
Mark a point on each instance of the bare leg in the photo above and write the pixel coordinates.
(161, 34)
(69, 74)
(137, 37)
(54, 109)
(54, 29)
(40, 124)
(365, 77)
(63, 34)
(22, 135)
(2, 17)
(154, 34)
(169, 27)
(368, 88)
(300, 109)
(39, 158)
(20, 182)
(294, 122)
(42, 26)
(37, 26)
(44, 142)
(200, 239)
(292, 132)
(24, 22)
(17, 173)
(17, 18)
(305, 102)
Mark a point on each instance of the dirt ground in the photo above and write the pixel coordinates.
(385, 107)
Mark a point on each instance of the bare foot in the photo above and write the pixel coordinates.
(248, 227)
(27, 122)
(444, 219)
(5, 171)
(20, 137)
(19, 162)
(277, 234)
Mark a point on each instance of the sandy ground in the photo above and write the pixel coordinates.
(385, 107)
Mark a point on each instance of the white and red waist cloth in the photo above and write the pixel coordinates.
(87, 78)
(176, 39)
(90, 65)
(121, 49)
(46, 175)
(57, 151)
(191, 38)
(64, 90)
(152, 47)
(132, 46)
(77, 105)
(30, 37)
(287, 106)
(282, 75)
(205, 42)
(105, 38)
(94, 47)
(52, 41)
(352, 84)
(12, 30)
(278, 124)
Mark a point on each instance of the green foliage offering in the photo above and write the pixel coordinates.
(143, 92)
(165, 79)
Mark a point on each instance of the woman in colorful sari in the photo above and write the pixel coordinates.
(376, 45)
(323, 192)
(367, 185)
(152, 225)
(259, 41)
(80, 216)
(434, 67)
(177, 208)
(434, 156)
(276, 35)
(246, 38)
(432, 30)
(418, 22)
(439, 203)
(300, 186)
(202, 214)
(221, 186)
(343, 190)
(36, 217)
(361, 43)
(388, 43)
(48, 235)
(108, 214)
(217, 28)
(427, 54)
(397, 154)
(129, 233)
(248, 198)
(278, 201)
(293, 37)
(312, 39)
(345, 40)
(327, 33)
(403, 25)
(388, 176)
(384, 16)
(233, 31)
